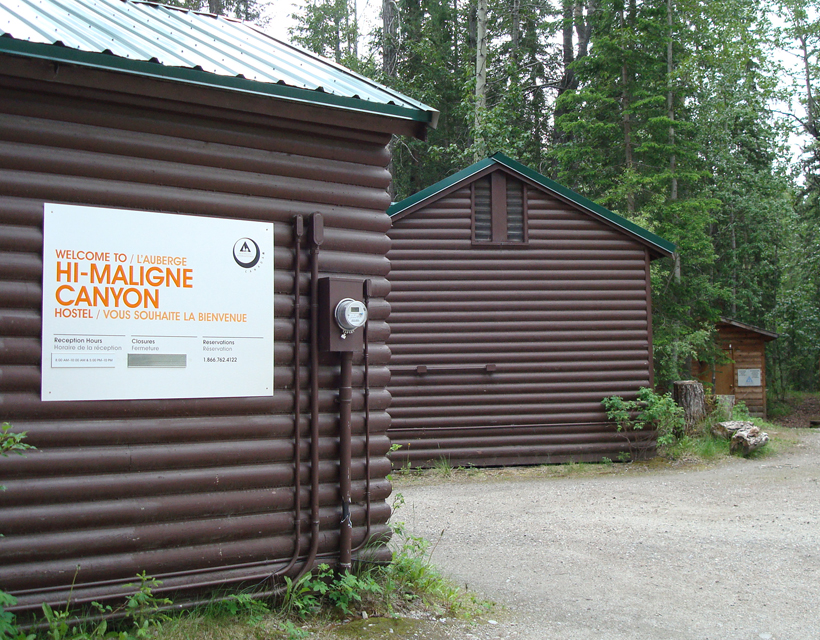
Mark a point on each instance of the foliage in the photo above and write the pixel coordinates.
(341, 591)
(245, 605)
(663, 112)
(247, 10)
(703, 447)
(443, 466)
(671, 114)
(328, 28)
(143, 606)
(8, 629)
(11, 442)
(411, 577)
(141, 611)
(649, 411)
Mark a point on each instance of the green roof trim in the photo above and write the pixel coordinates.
(663, 246)
(110, 62)
(429, 192)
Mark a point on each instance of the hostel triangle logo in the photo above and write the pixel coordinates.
(246, 253)
(749, 381)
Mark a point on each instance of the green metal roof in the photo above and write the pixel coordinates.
(664, 247)
(152, 40)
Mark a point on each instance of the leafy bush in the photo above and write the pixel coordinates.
(648, 411)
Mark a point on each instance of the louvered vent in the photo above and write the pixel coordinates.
(515, 211)
(483, 224)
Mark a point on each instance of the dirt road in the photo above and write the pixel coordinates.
(730, 552)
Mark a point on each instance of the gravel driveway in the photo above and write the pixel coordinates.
(728, 552)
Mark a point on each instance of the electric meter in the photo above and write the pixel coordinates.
(350, 314)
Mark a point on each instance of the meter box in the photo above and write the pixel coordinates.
(342, 314)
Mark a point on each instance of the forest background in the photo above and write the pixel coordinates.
(680, 115)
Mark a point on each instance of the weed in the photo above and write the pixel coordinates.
(242, 605)
(411, 577)
(343, 592)
(11, 442)
(704, 446)
(8, 628)
(293, 632)
(299, 598)
(740, 411)
(443, 467)
(393, 448)
(142, 607)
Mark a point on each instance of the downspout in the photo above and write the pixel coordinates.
(367, 292)
(316, 239)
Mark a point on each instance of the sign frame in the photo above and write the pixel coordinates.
(147, 305)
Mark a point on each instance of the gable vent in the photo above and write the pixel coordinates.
(483, 223)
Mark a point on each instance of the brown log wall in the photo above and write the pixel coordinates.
(193, 492)
(502, 355)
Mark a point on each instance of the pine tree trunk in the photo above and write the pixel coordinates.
(626, 105)
(670, 103)
(480, 75)
(390, 35)
(689, 395)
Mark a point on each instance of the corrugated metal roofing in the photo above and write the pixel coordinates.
(156, 40)
(424, 196)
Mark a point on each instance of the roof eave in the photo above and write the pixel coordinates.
(662, 247)
(764, 333)
(109, 62)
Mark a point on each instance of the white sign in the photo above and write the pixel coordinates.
(140, 305)
(748, 378)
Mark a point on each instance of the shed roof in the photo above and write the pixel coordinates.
(153, 40)
(764, 334)
(441, 188)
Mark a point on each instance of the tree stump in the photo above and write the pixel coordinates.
(689, 395)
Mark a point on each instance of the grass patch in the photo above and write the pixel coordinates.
(324, 605)
(319, 605)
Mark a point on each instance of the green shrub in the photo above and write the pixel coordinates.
(648, 411)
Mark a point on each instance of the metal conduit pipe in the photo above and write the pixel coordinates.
(367, 291)
(345, 410)
(298, 232)
(316, 239)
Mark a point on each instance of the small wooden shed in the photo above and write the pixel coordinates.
(744, 374)
(517, 305)
(119, 116)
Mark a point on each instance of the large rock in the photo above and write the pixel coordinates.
(747, 440)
